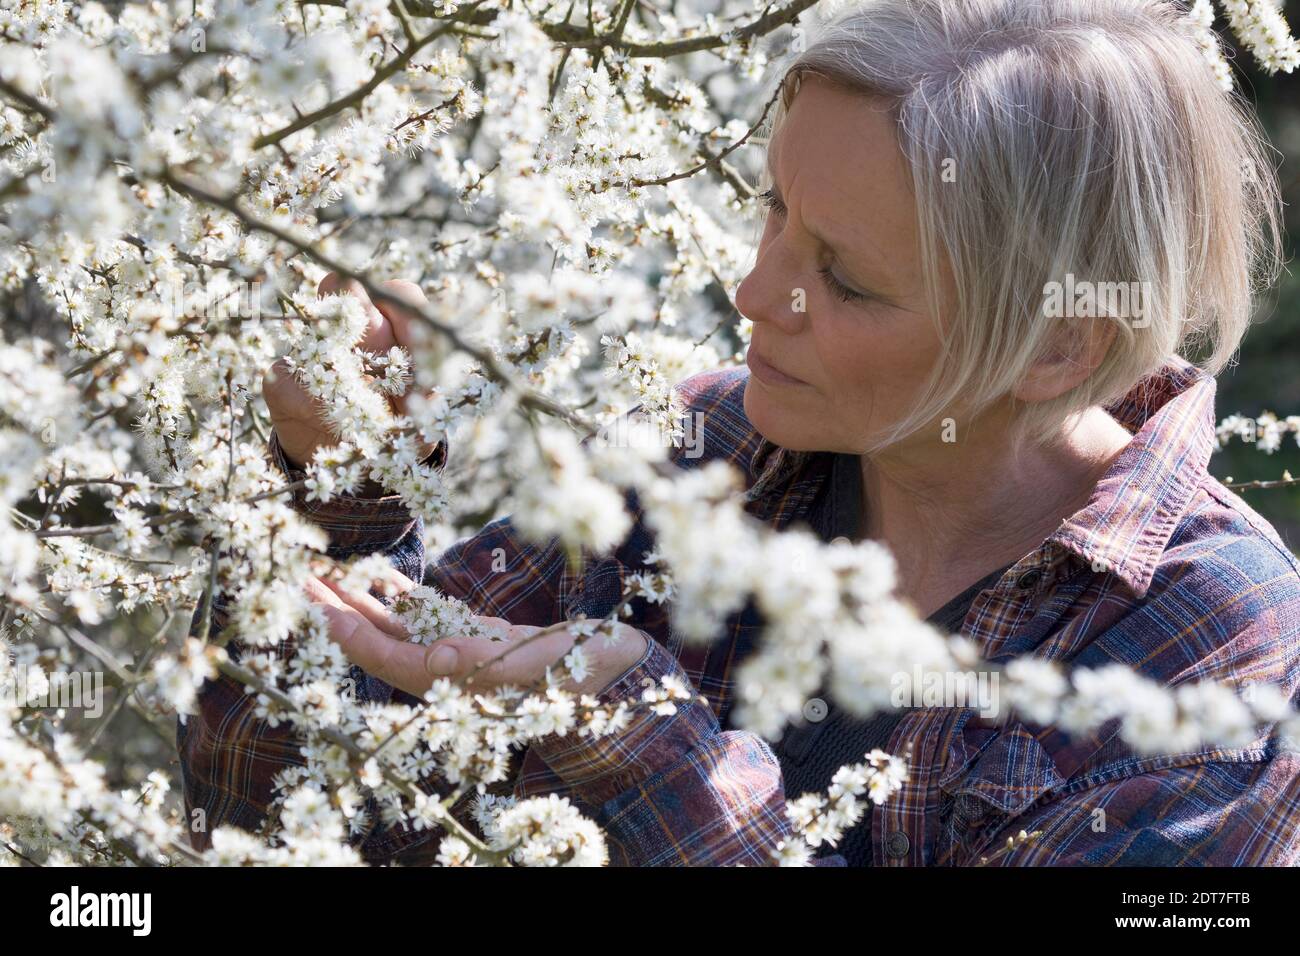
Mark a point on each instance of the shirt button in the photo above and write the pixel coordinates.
(897, 844)
(1029, 580)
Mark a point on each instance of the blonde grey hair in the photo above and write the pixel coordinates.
(1079, 137)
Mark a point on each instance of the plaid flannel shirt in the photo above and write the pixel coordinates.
(1164, 570)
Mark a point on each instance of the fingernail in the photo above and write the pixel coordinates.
(442, 661)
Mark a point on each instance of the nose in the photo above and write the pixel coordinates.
(772, 290)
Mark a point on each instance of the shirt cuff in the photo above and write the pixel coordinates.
(600, 768)
(367, 521)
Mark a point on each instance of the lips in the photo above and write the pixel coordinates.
(765, 371)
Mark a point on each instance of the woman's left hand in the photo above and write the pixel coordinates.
(374, 638)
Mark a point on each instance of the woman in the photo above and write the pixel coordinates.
(993, 226)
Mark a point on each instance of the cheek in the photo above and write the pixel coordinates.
(877, 360)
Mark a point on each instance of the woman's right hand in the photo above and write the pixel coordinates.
(297, 417)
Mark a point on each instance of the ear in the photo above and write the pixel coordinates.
(1076, 351)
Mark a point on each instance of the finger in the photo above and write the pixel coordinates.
(378, 336)
(394, 662)
(483, 662)
(279, 369)
(375, 612)
(498, 629)
(407, 332)
(320, 594)
(401, 320)
(402, 406)
(393, 582)
(279, 380)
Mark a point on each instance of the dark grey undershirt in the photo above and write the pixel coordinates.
(810, 754)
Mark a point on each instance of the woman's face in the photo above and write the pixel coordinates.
(836, 296)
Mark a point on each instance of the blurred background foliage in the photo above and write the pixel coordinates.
(1267, 374)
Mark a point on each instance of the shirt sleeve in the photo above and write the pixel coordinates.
(1214, 813)
(671, 790)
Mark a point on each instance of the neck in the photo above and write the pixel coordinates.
(952, 513)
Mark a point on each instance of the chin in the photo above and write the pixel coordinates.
(779, 422)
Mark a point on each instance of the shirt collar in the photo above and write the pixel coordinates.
(1126, 524)
(787, 481)
(1133, 512)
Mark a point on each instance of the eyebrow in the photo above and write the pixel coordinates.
(776, 191)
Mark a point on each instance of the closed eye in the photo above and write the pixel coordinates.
(836, 287)
(839, 289)
(770, 200)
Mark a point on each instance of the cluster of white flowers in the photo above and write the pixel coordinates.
(177, 177)
(1266, 432)
(829, 614)
(564, 498)
(824, 818)
(428, 615)
(55, 802)
(1201, 16)
(1260, 26)
(649, 365)
(545, 831)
